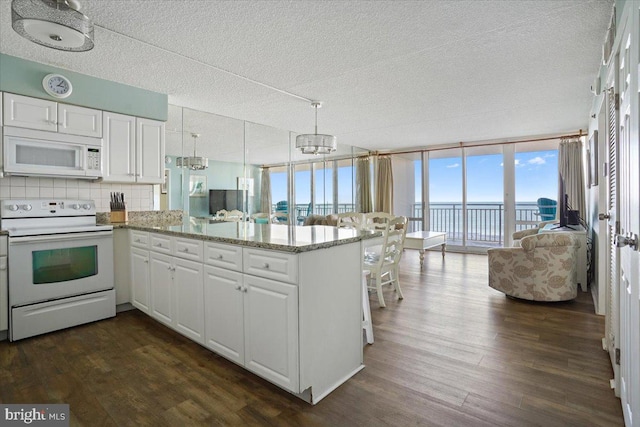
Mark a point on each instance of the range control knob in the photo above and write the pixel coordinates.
(13, 207)
(75, 206)
(86, 206)
(26, 207)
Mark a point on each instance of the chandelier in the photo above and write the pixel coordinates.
(194, 162)
(57, 24)
(315, 143)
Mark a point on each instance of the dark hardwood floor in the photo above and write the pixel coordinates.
(453, 353)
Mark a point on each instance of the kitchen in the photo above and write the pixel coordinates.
(45, 142)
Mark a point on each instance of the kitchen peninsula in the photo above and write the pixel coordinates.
(282, 301)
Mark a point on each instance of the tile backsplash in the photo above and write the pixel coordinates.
(138, 197)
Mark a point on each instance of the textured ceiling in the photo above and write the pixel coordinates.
(391, 74)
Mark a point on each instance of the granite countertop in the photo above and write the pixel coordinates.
(278, 237)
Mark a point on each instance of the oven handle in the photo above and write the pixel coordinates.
(59, 237)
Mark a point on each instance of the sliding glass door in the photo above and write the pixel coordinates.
(445, 194)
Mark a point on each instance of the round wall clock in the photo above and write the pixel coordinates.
(57, 85)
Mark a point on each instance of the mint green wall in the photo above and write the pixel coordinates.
(25, 78)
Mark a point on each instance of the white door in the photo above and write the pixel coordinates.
(161, 285)
(150, 151)
(140, 279)
(119, 147)
(189, 298)
(79, 121)
(224, 319)
(612, 318)
(629, 213)
(32, 113)
(271, 330)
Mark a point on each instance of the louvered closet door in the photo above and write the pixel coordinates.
(612, 299)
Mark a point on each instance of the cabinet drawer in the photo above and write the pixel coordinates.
(140, 239)
(188, 248)
(225, 256)
(270, 264)
(160, 243)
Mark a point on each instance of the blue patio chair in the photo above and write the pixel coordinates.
(546, 209)
(282, 207)
(303, 214)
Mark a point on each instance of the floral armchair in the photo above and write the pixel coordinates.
(543, 268)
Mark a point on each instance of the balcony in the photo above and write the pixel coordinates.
(485, 221)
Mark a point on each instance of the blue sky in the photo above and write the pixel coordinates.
(536, 176)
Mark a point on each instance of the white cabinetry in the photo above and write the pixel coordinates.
(252, 320)
(32, 113)
(149, 151)
(41, 114)
(134, 149)
(139, 267)
(161, 278)
(284, 316)
(271, 330)
(140, 279)
(175, 285)
(4, 296)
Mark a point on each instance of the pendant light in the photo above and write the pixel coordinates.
(57, 24)
(194, 162)
(315, 143)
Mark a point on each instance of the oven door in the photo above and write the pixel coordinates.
(55, 266)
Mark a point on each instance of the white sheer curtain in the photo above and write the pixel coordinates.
(265, 191)
(384, 185)
(363, 186)
(571, 168)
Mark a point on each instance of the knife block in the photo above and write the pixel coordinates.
(118, 216)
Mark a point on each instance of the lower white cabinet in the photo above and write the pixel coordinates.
(140, 279)
(271, 330)
(224, 318)
(161, 277)
(4, 291)
(177, 295)
(189, 298)
(254, 322)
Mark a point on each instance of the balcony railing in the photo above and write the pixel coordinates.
(485, 221)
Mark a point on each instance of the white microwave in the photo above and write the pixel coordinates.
(29, 152)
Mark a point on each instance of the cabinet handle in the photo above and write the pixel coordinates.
(265, 265)
(238, 288)
(158, 245)
(185, 250)
(245, 289)
(146, 261)
(220, 256)
(169, 268)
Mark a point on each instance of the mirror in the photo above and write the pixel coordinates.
(239, 154)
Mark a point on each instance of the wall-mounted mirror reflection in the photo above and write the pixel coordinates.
(216, 164)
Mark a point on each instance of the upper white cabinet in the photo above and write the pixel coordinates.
(150, 151)
(41, 114)
(32, 113)
(79, 120)
(134, 149)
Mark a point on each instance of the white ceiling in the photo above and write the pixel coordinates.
(391, 74)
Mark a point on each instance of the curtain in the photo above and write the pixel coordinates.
(384, 185)
(265, 191)
(363, 186)
(571, 169)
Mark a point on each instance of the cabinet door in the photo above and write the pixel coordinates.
(119, 147)
(140, 279)
(150, 151)
(189, 298)
(32, 113)
(271, 330)
(79, 121)
(161, 285)
(224, 319)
